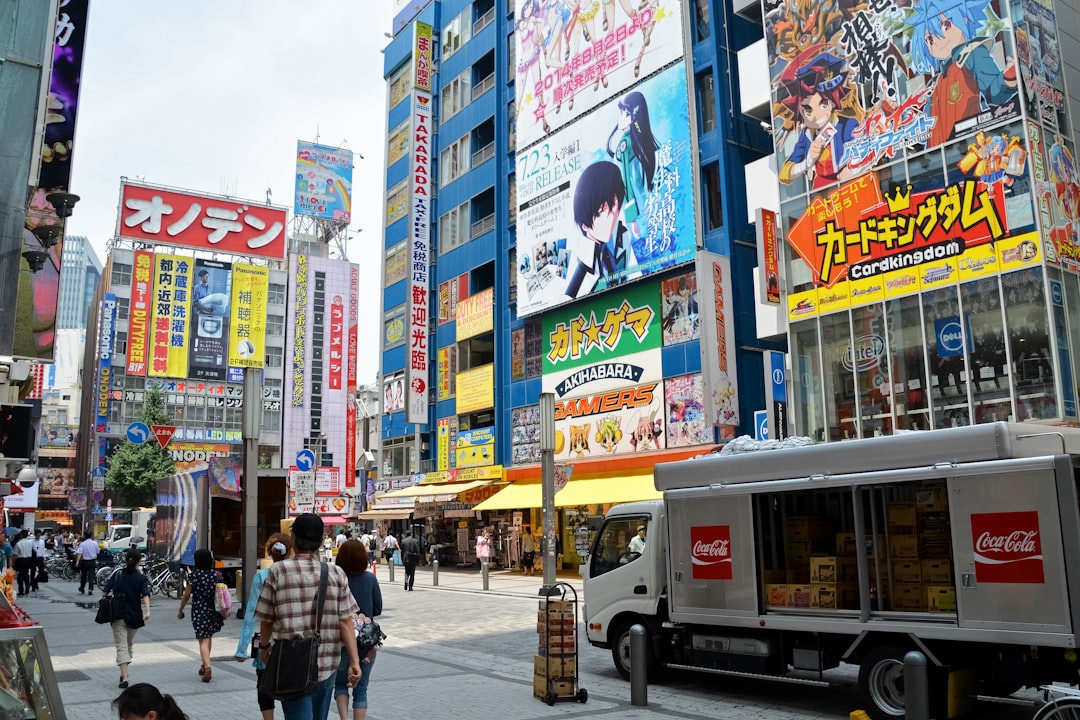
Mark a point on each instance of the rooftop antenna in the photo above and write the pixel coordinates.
(269, 194)
(316, 134)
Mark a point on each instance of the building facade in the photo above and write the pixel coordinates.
(558, 220)
(79, 277)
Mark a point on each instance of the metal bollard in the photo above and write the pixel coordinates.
(916, 687)
(435, 572)
(639, 666)
(390, 562)
(484, 574)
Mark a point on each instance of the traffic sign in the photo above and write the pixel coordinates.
(761, 425)
(164, 433)
(99, 483)
(97, 509)
(108, 517)
(305, 460)
(138, 433)
(98, 496)
(99, 471)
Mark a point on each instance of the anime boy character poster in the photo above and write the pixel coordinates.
(573, 55)
(614, 190)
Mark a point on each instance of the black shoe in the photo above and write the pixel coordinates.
(123, 684)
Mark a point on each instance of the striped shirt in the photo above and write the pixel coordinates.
(288, 599)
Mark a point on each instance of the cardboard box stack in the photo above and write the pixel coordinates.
(804, 537)
(556, 660)
(907, 593)
(935, 548)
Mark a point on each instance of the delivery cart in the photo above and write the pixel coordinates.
(555, 676)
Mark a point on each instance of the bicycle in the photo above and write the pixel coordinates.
(1059, 703)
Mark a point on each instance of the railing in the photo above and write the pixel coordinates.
(484, 225)
(483, 21)
(483, 86)
(483, 154)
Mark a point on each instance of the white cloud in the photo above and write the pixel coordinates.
(212, 96)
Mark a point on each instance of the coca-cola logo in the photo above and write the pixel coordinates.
(710, 552)
(1007, 547)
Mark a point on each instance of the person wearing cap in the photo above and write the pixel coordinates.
(637, 543)
(285, 610)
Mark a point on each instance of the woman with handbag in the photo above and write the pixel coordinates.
(352, 557)
(133, 589)
(205, 618)
(278, 547)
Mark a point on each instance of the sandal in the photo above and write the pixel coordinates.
(206, 675)
(202, 670)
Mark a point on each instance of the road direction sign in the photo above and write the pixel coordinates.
(98, 496)
(305, 460)
(164, 433)
(138, 432)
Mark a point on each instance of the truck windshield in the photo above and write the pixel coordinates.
(121, 533)
(621, 540)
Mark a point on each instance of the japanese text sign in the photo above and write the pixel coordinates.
(204, 222)
(106, 330)
(336, 358)
(323, 182)
(718, 342)
(248, 321)
(476, 389)
(418, 283)
(142, 286)
(422, 57)
(169, 331)
(474, 314)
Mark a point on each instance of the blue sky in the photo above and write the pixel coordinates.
(212, 96)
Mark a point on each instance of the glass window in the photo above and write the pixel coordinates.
(511, 56)
(275, 294)
(275, 324)
(871, 364)
(454, 228)
(988, 364)
(702, 26)
(121, 274)
(839, 377)
(714, 213)
(945, 358)
(454, 160)
(1072, 312)
(798, 275)
(927, 171)
(457, 94)
(511, 194)
(273, 356)
(397, 144)
(706, 101)
(618, 543)
(908, 363)
(397, 202)
(399, 84)
(122, 306)
(457, 32)
(806, 366)
(1029, 344)
(121, 343)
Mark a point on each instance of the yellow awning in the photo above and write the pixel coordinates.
(600, 491)
(385, 514)
(516, 496)
(597, 491)
(422, 491)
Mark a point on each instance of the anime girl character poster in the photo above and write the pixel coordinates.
(573, 55)
(684, 398)
(610, 199)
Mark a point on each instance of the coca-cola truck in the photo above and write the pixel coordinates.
(961, 543)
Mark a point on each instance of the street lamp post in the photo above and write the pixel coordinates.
(547, 477)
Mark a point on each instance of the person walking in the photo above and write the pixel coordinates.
(205, 619)
(410, 558)
(24, 561)
(285, 611)
(39, 560)
(390, 544)
(364, 586)
(278, 547)
(528, 551)
(85, 561)
(132, 587)
(142, 699)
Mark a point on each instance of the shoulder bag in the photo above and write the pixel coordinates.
(110, 607)
(293, 668)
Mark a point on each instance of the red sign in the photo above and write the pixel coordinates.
(163, 433)
(204, 222)
(772, 256)
(350, 417)
(1008, 548)
(710, 552)
(142, 285)
(337, 341)
(857, 232)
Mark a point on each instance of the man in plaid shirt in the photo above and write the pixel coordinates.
(286, 609)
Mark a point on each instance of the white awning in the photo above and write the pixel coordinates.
(425, 491)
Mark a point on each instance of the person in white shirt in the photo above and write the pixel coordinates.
(39, 560)
(637, 543)
(341, 537)
(390, 544)
(85, 560)
(24, 561)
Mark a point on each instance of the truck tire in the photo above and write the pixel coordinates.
(881, 682)
(620, 649)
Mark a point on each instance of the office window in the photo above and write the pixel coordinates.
(702, 28)
(120, 344)
(454, 161)
(710, 187)
(457, 94)
(275, 325)
(274, 356)
(122, 306)
(457, 32)
(454, 228)
(706, 100)
(275, 294)
(399, 84)
(121, 274)
(511, 56)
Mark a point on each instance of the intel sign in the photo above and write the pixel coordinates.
(866, 353)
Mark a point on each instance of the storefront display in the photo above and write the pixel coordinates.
(28, 687)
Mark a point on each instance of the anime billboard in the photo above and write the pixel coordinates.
(1057, 195)
(608, 200)
(1039, 59)
(614, 422)
(573, 55)
(857, 84)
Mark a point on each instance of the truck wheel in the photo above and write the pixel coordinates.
(881, 681)
(620, 650)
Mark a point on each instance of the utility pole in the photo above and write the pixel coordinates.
(547, 478)
(251, 421)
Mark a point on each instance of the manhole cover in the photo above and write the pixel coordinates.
(70, 676)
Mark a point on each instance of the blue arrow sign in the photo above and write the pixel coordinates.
(305, 460)
(138, 433)
(99, 471)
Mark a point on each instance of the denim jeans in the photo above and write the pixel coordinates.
(315, 706)
(341, 682)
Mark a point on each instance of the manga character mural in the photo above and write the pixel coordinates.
(575, 54)
(1039, 59)
(1057, 195)
(609, 199)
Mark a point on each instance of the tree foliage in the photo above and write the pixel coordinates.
(134, 469)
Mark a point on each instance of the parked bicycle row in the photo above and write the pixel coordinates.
(165, 578)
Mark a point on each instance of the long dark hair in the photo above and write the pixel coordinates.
(131, 560)
(141, 698)
(641, 137)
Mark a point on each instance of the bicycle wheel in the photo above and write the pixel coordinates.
(68, 572)
(172, 586)
(1063, 708)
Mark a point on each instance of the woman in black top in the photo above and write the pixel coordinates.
(134, 588)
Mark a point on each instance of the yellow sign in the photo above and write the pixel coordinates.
(899, 283)
(396, 263)
(1018, 252)
(443, 457)
(422, 56)
(978, 262)
(476, 389)
(490, 472)
(169, 329)
(475, 447)
(938, 273)
(802, 305)
(250, 287)
(474, 314)
(397, 204)
(838, 297)
(443, 371)
(867, 290)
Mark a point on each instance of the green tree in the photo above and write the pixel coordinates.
(134, 469)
